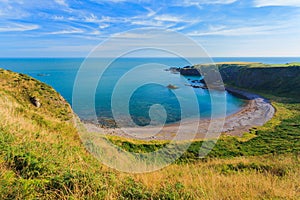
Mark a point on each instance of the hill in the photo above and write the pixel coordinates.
(281, 80)
(276, 79)
(42, 157)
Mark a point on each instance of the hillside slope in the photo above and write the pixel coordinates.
(280, 80)
(42, 157)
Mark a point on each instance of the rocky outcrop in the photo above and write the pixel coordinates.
(172, 87)
(35, 101)
(189, 72)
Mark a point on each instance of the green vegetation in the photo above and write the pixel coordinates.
(40, 152)
(41, 155)
(279, 136)
(257, 64)
(283, 80)
(280, 80)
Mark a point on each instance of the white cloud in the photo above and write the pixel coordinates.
(96, 32)
(168, 18)
(263, 3)
(61, 2)
(103, 26)
(175, 19)
(151, 12)
(180, 28)
(92, 18)
(203, 2)
(12, 10)
(58, 18)
(18, 27)
(68, 31)
(72, 18)
(241, 31)
(147, 23)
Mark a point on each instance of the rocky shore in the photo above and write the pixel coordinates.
(256, 112)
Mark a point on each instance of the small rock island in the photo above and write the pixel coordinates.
(172, 87)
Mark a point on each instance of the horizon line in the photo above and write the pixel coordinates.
(41, 57)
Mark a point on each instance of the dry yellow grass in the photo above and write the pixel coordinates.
(206, 181)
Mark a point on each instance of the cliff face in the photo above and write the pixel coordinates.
(276, 79)
(279, 80)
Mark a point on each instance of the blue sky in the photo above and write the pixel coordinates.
(72, 28)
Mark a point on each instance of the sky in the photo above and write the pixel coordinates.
(224, 28)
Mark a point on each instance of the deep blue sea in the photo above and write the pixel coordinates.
(147, 86)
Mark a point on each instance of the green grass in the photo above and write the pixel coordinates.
(282, 80)
(42, 157)
(279, 136)
(251, 64)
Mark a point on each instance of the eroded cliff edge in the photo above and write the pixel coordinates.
(280, 79)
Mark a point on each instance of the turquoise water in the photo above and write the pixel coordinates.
(60, 73)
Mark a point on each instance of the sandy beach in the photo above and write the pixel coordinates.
(256, 112)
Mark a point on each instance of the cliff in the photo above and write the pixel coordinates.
(281, 80)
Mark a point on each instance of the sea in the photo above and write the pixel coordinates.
(133, 90)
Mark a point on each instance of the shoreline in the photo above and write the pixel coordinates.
(256, 112)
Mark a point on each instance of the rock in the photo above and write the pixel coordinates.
(172, 87)
(35, 101)
(199, 86)
(189, 72)
(173, 69)
(202, 81)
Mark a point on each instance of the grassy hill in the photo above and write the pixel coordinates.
(42, 157)
(282, 80)
(276, 79)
